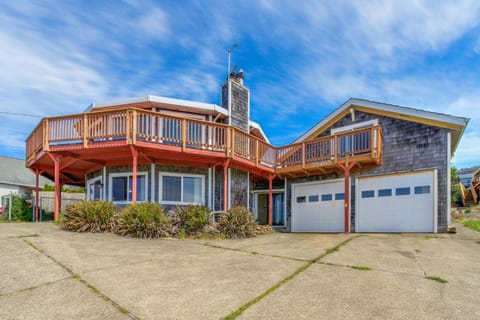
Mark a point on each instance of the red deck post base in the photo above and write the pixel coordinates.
(134, 173)
(346, 169)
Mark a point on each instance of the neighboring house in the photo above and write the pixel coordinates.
(467, 175)
(366, 167)
(16, 179)
(469, 185)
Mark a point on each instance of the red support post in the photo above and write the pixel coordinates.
(58, 188)
(270, 199)
(346, 168)
(134, 173)
(37, 173)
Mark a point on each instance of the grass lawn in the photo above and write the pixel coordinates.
(473, 224)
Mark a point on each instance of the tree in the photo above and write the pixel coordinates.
(453, 175)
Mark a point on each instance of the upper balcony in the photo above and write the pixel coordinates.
(95, 139)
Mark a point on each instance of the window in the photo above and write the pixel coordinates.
(340, 196)
(368, 194)
(405, 191)
(385, 192)
(121, 187)
(95, 189)
(327, 197)
(181, 189)
(313, 198)
(422, 189)
(301, 199)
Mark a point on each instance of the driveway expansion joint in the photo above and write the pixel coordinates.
(298, 271)
(83, 281)
(206, 244)
(34, 287)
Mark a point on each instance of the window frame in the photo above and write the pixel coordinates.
(93, 181)
(128, 175)
(182, 176)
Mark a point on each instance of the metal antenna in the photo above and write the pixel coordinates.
(229, 55)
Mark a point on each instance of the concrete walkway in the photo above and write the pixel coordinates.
(47, 273)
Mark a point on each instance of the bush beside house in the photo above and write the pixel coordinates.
(149, 220)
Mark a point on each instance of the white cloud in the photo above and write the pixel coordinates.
(155, 23)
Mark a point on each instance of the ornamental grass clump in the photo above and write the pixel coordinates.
(237, 222)
(143, 220)
(193, 219)
(89, 216)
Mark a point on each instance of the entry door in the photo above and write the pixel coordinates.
(278, 212)
(396, 203)
(318, 207)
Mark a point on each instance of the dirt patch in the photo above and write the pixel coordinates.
(462, 213)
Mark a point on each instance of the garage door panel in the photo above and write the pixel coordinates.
(396, 203)
(318, 207)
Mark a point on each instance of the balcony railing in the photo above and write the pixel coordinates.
(364, 145)
(131, 126)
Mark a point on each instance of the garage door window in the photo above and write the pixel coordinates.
(402, 191)
(327, 197)
(339, 196)
(368, 194)
(422, 189)
(313, 198)
(385, 192)
(301, 199)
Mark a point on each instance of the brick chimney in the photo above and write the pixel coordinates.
(236, 99)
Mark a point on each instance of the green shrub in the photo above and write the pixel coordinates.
(238, 222)
(193, 218)
(456, 195)
(143, 220)
(21, 210)
(89, 216)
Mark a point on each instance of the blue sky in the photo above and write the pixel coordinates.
(302, 59)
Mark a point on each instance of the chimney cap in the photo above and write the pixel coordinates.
(239, 77)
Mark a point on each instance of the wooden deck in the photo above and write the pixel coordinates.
(89, 141)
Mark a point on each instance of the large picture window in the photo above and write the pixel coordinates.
(181, 188)
(121, 187)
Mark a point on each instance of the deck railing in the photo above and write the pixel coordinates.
(133, 125)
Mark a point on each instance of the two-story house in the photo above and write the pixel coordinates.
(366, 167)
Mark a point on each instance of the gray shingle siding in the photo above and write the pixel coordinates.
(218, 191)
(238, 188)
(239, 104)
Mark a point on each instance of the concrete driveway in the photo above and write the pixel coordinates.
(47, 273)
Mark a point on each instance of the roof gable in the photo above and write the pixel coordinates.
(455, 124)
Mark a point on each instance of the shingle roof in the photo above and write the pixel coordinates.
(14, 172)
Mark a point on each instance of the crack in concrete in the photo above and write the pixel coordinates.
(206, 244)
(417, 263)
(117, 266)
(239, 311)
(83, 281)
(43, 284)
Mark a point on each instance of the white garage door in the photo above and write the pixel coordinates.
(396, 203)
(318, 207)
